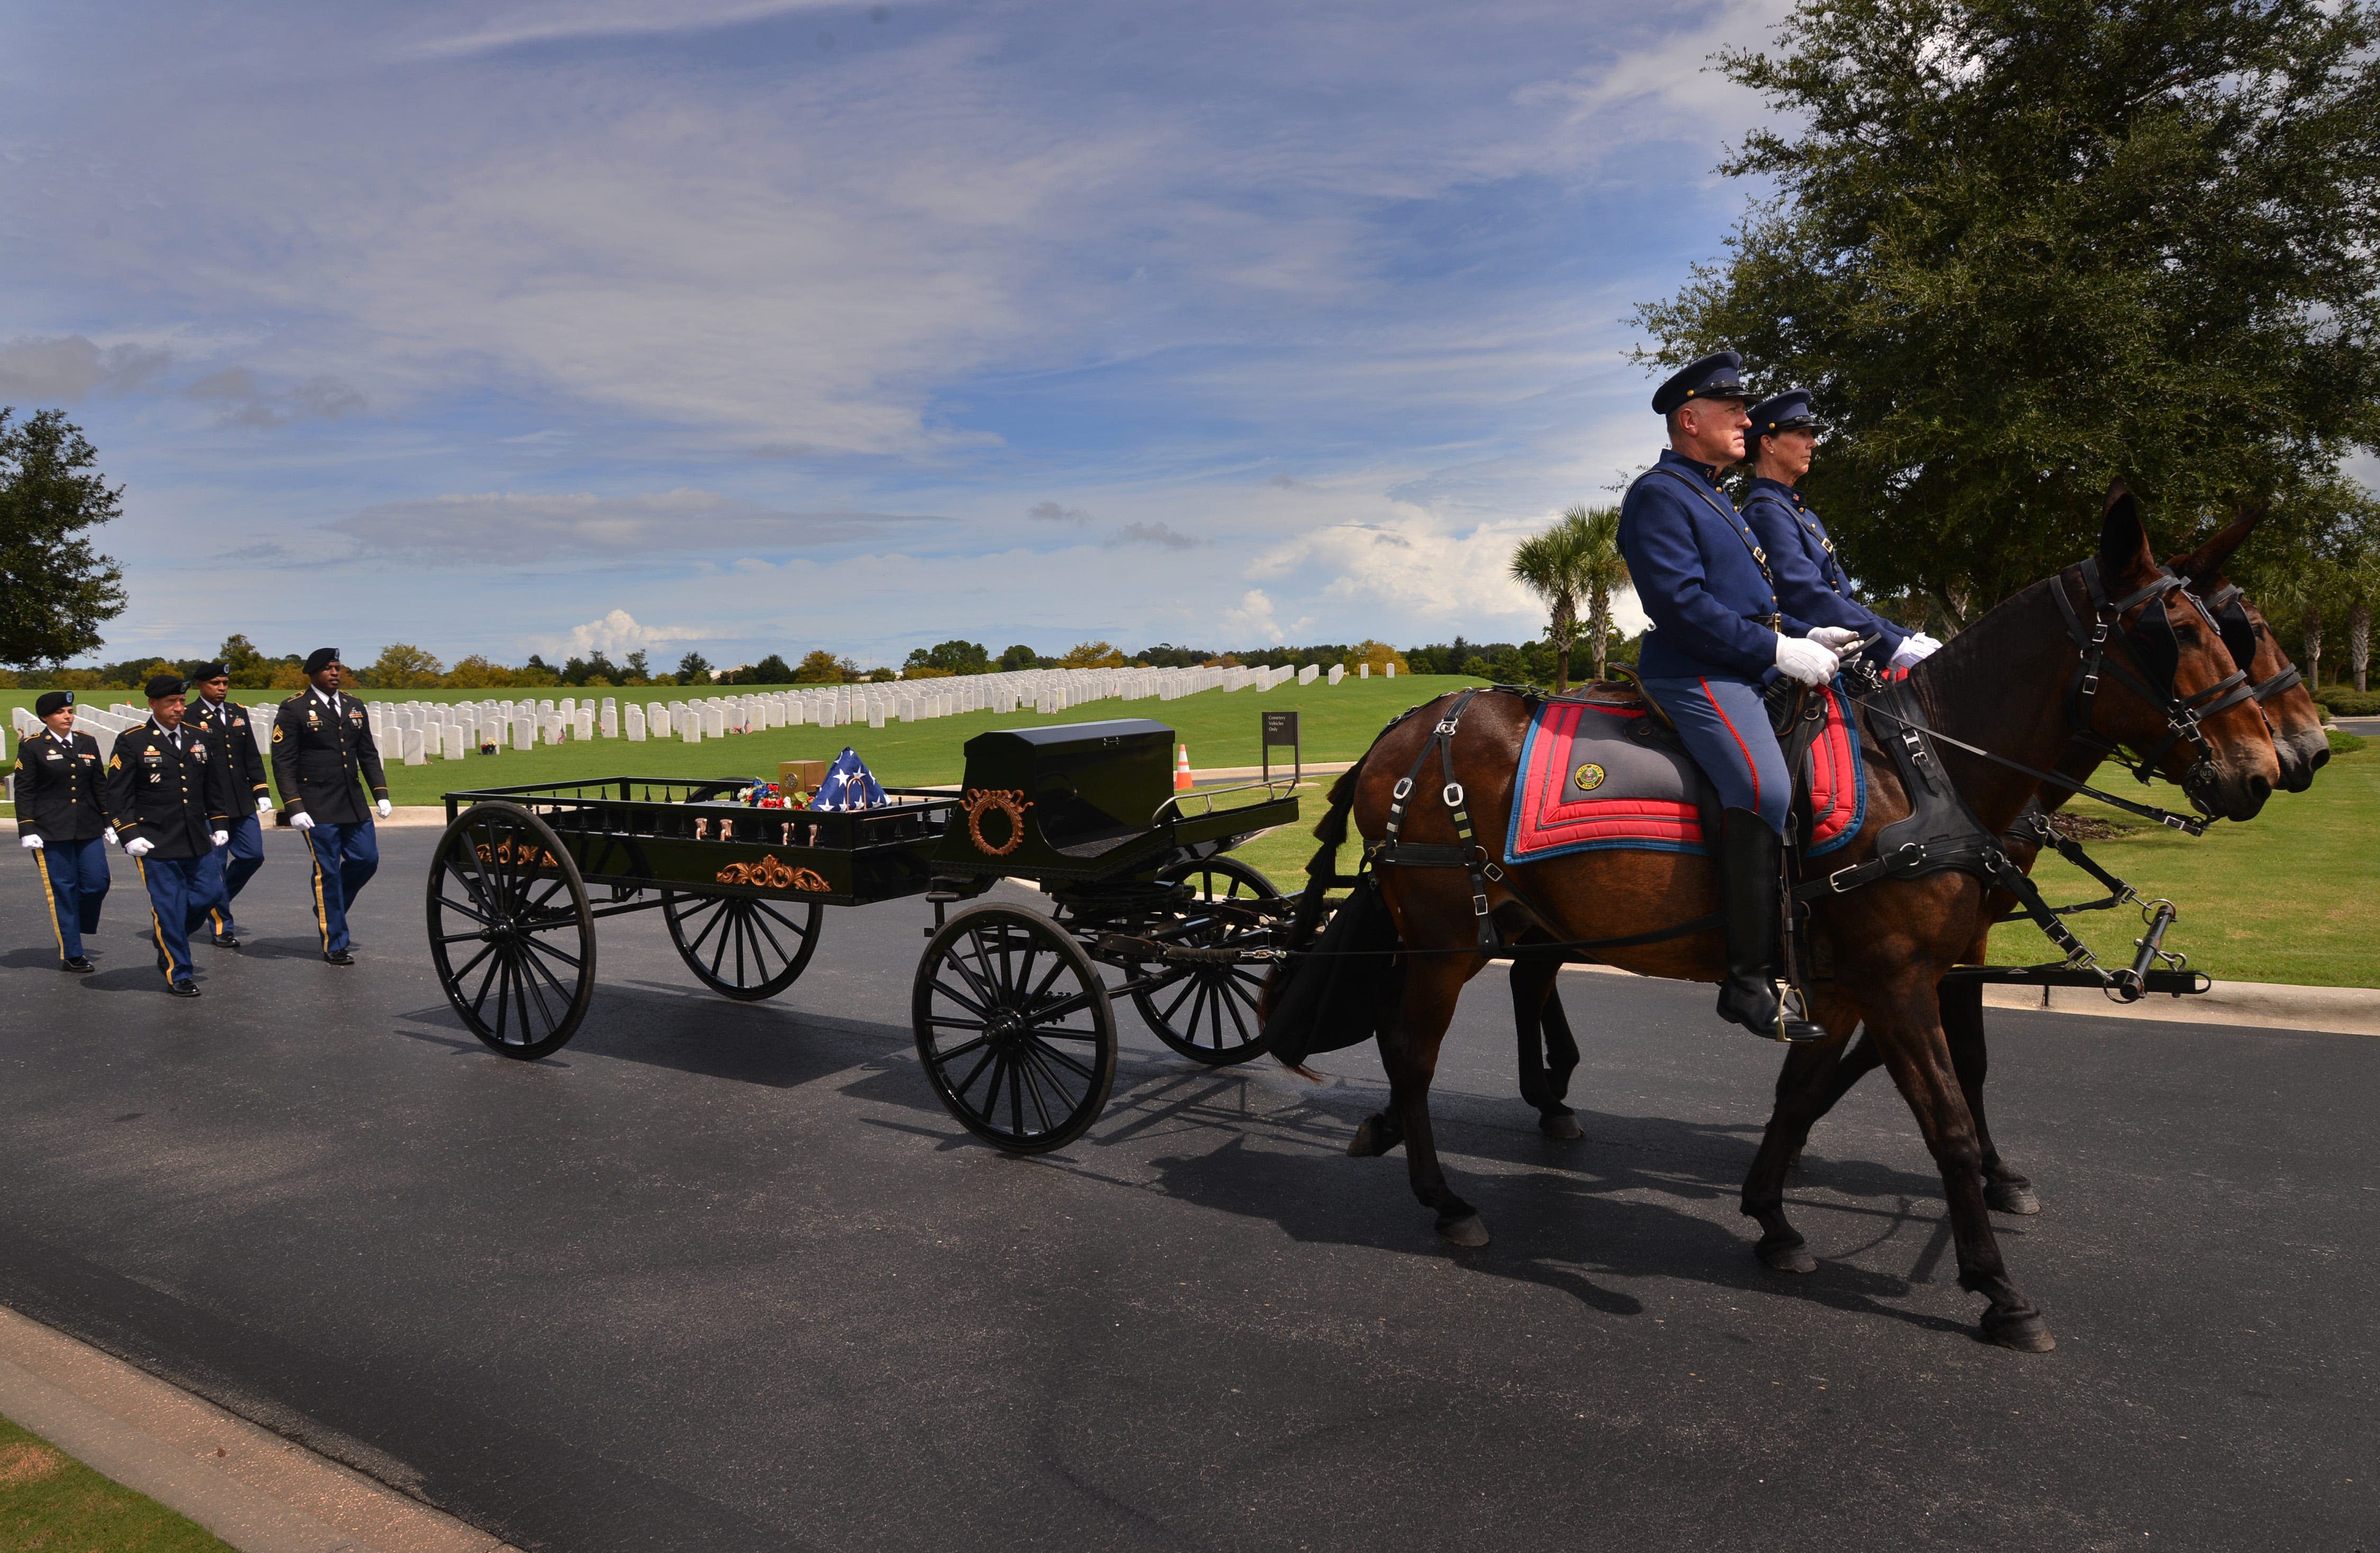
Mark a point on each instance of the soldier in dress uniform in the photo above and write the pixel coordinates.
(170, 799)
(1719, 634)
(1811, 584)
(322, 748)
(233, 730)
(62, 819)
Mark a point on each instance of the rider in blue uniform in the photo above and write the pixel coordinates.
(1717, 635)
(1811, 584)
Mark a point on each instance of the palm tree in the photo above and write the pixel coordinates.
(1549, 565)
(1603, 569)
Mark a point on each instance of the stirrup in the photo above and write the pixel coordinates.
(1796, 1028)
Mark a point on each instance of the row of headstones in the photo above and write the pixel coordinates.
(416, 732)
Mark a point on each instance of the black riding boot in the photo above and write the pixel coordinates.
(1751, 896)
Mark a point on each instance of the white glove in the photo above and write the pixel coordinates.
(1915, 648)
(108, 836)
(301, 820)
(383, 808)
(263, 805)
(223, 838)
(31, 843)
(138, 846)
(1834, 637)
(1806, 660)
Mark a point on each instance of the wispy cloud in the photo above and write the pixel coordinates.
(1155, 534)
(1051, 512)
(465, 531)
(70, 368)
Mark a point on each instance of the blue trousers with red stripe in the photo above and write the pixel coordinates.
(74, 881)
(1725, 727)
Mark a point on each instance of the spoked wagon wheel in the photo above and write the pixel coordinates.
(1014, 1024)
(1209, 1012)
(742, 948)
(510, 930)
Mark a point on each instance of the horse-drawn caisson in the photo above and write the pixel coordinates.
(1010, 1007)
(1883, 816)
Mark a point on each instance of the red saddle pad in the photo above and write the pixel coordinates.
(1587, 785)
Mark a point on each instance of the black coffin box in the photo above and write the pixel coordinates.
(1058, 797)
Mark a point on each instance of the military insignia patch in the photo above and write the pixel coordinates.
(276, 732)
(1588, 777)
(115, 763)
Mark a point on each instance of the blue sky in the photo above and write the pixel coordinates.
(751, 327)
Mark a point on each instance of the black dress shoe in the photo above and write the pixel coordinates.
(183, 989)
(78, 964)
(225, 940)
(338, 957)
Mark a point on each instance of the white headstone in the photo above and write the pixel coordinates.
(413, 751)
(1392, 671)
(453, 741)
(636, 724)
(582, 724)
(1338, 673)
(1363, 671)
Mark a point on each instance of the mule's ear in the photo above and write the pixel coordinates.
(2206, 564)
(2123, 543)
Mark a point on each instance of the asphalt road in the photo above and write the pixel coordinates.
(720, 1276)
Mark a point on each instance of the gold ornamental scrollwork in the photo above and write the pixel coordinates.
(1011, 802)
(528, 854)
(773, 872)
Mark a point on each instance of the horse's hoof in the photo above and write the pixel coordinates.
(2007, 1196)
(2024, 1331)
(1561, 1124)
(1466, 1231)
(1786, 1253)
(1371, 1140)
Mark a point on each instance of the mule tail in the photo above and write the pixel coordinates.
(1323, 868)
(1338, 983)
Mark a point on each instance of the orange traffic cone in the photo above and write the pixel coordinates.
(1182, 783)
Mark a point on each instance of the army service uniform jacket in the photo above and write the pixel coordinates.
(233, 728)
(320, 744)
(174, 797)
(61, 790)
(1702, 577)
(1810, 580)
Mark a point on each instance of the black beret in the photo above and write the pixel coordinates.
(321, 659)
(54, 703)
(1713, 377)
(1787, 412)
(209, 671)
(162, 685)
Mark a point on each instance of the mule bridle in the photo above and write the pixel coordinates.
(2155, 653)
(2228, 607)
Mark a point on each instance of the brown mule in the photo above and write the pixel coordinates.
(1826, 1072)
(2001, 685)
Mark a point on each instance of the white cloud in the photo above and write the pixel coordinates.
(617, 635)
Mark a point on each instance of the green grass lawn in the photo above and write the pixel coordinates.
(48, 1501)
(1220, 727)
(2286, 897)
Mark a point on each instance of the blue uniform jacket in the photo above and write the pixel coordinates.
(1810, 580)
(1696, 568)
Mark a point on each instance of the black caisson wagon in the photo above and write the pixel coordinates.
(1012, 1007)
